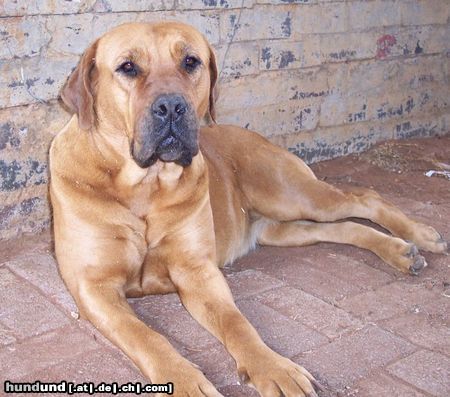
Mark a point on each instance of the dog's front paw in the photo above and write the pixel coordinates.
(187, 381)
(274, 376)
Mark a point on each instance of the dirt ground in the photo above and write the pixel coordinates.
(360, 327)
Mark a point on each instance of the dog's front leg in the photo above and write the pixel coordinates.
(206, 295)
(104, 304)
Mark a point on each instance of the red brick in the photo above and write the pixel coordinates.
(310, 311)
(328, 271)
(250, 282)
(353, 356)
(387, 301)
(382, 385)
(438, 270)
(42, 271)
(438, 309)
(422, 330)
(55, 347)
(6, 336)
(428, 371)
(36, 243)
(238, 391)
(100, 365)
(314, 281)
(216, 363)
(24, 310)
(350, 270)
(282, 334)
(167, 315)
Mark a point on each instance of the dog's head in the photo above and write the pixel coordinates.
(151, 82)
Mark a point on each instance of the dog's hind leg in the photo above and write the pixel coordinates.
(394, 251)
(279, 186)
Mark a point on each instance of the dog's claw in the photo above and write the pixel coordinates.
(445, 243)
(418, 265)
(413, 251)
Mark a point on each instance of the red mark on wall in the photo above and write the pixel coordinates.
(384, 45)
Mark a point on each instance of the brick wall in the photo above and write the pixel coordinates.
(322, 78)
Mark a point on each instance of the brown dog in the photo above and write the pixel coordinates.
(146, 202)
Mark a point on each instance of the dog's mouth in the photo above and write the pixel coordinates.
(170, 148)
(173, 149)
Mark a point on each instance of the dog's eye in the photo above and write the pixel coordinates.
(128, 68)
(190, 63)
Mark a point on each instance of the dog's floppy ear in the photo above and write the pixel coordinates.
(77, 93)
(213, 73)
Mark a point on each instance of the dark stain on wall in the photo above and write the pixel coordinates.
(406, 130)
(300, 118)
(419, 49)
(19, 213)
(215, 3)
(266, 56)
(358, 116)
(7, 136)
(286, 26)
(385, 112)
(286, 58)
(16, 175)
(343, 54)
(309, 94)
(323, 150)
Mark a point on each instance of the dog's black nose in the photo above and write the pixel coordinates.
(169, 107)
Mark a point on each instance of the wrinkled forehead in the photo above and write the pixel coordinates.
(159, 42)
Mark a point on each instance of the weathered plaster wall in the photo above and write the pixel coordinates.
(320, 77)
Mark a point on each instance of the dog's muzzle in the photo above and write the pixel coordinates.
(167, 132)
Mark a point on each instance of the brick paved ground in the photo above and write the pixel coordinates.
(360, 327)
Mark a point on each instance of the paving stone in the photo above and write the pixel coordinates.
(353, 356)
(40, 352)
(438, 271)
(216, 363)
(282, 334)
(302, 275)
(438, 309)
(24, 310)
(387, 301)
(351, 270)
(250, 282)
(382, 385)
(6, 336)
(421, 330)
(428, 371)
(238, 391)
(309, 310)
(37, 243)
(42, 271)
(167, 315)
(94, 366)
